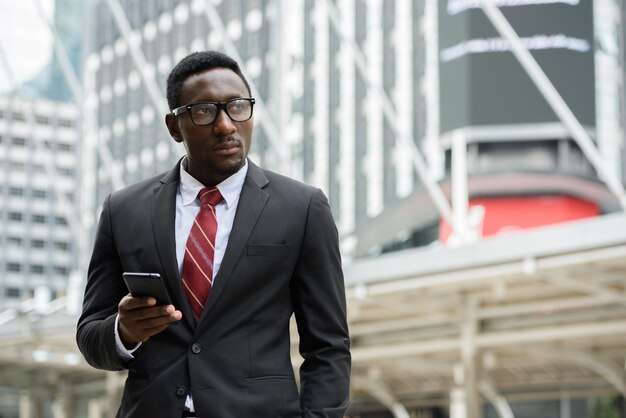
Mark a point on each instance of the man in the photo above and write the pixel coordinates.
(272, 251)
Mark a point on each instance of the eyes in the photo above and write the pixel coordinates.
(205, 109)
(204, 113)
(232, 107)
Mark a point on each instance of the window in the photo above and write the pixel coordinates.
(63, 271)
(43, 120)
(37, 243)
(18, 116)
(15, 267)
(66, 172)
(36, 268)
(59, 220)
(12, 292)
(39, 193)
(18, 141)
(65, 123)
(16, 191)
(15, 216)
(39, 219)
(62, 245)
(65, 147)
(15, 241)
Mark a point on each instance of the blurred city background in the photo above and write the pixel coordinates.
(472, 152)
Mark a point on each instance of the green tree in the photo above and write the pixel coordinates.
(604, 407)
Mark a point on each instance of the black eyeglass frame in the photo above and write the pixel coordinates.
(220, 106)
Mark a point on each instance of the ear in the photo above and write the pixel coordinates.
(172, 125)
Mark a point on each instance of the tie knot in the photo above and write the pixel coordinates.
(210, 196)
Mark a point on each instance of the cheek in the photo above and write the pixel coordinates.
(247, 134)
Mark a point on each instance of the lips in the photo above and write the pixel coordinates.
(227, 148)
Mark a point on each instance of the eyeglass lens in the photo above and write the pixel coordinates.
(206, 113)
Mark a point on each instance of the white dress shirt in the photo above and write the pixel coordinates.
(187, 207)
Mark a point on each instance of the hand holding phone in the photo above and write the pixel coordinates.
(147, 284)
(138, 321)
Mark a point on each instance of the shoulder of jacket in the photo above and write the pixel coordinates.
(136, 190)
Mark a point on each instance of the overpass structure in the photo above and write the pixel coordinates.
(528, 316)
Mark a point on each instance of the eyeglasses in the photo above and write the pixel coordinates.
(205, 113)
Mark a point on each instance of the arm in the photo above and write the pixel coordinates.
(95, 331)
(320, 309)
(113, 320)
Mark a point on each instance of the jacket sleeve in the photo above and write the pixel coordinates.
(320, 310)
(105, 288)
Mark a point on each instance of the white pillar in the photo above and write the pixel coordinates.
(457, 404)
(94, 408)
(469, 360)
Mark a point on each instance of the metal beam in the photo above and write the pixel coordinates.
(492, 339)
(554, 99)
(588, 287)
(379, 391)
(502, 407)
(390, 114)
(77, 91)
(138, 58)
(607, 370)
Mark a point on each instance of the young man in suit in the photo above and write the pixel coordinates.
(236, 268)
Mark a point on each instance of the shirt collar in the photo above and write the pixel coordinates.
(229, 188)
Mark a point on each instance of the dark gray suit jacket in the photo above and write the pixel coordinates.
(282, 258)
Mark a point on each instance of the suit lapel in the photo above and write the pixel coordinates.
(163, 227)
(251, 203)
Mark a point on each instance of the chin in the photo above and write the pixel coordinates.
(229, 168)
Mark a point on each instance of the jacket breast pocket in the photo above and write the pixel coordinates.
(268, 250)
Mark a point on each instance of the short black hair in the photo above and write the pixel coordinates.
(195, 63)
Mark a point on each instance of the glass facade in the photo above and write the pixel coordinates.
(38, 148)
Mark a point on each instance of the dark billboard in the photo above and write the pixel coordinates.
(481, 81)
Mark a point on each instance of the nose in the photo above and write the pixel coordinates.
(223, 125)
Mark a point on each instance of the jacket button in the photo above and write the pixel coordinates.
(181, 391)
(195, 348)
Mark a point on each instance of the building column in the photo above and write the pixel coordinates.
(464, 399)
(113, 396)
(64, 404)
(32, 403)
(94, 408)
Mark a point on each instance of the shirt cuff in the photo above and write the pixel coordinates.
(122, 352)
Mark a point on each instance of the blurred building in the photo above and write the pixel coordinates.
(51, 82)
(357, 93)
(39, 160)
(39, 145)
(524, 168)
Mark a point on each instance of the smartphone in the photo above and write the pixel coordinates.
(147, 284)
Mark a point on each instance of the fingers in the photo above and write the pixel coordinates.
(129, 302)
(140, 319)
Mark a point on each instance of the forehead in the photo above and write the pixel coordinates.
(217, 84)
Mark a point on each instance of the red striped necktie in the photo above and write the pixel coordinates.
(199, 252)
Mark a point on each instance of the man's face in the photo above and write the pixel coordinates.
(215, 151)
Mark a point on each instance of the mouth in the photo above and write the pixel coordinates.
(227, 148)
